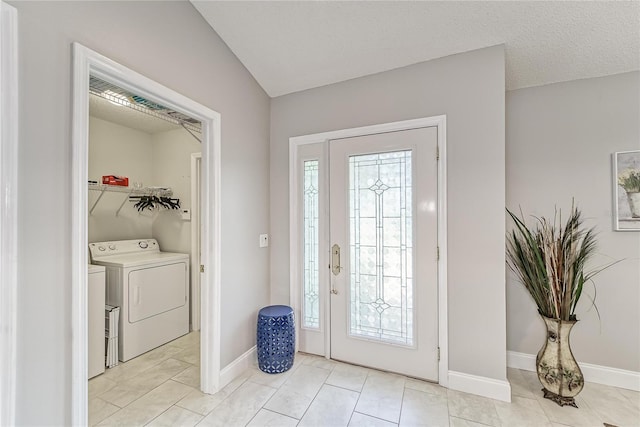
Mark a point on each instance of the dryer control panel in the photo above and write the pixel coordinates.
(122, 247)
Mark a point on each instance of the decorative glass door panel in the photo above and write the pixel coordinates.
(380, 227)
(311, 273)
(382, 218)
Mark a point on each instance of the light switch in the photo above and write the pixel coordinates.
(264, 240)
(185, 214)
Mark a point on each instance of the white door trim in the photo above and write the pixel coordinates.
(8, 210)
(86, 62)
(196, 235)
(294, 226)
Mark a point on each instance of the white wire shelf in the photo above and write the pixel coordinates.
(123, 97)
(129, 191)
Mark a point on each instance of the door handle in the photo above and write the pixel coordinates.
(335, 260)
(335, 266)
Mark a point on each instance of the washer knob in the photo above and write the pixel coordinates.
(112, 247)
(102, 248)
(143, 244)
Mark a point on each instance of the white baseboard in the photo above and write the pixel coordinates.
(592, 373)
(524, 361)
(236, 368)
(482, 386)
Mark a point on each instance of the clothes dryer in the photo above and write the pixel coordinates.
(150, 287)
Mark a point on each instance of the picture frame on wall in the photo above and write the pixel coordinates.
(626, 190)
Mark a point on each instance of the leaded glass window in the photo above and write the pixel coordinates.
(381, 228)
(311, 279)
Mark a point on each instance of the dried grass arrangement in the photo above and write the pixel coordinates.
(550, 261)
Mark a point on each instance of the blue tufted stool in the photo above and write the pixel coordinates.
(276, 339)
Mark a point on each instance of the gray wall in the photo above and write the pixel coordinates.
(469, 89)
(170, 43)
(560, 139)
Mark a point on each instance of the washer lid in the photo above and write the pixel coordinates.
(140, 259)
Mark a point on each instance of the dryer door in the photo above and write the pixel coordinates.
(156, 290)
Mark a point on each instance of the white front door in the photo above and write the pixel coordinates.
(383, 237)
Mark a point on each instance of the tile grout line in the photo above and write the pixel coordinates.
(138, 373)
(107, 416)
(256, 414)
(228, 395)
(359, 396)
(448, 414)
(404, 387)
(148, 391)
(276, 391)
(373, 416)
(191, 365)
(189, 410)
(637, 402)
(495, 408)
(324, 382)
(159, 415)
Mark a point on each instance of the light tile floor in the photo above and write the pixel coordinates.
(160, 388)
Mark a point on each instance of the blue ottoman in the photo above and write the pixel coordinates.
(276, 339)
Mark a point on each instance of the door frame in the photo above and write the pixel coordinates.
(440, 122)
(87, 62)
(8, 210)
(196, 243)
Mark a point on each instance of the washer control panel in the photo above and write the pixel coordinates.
(121, 247)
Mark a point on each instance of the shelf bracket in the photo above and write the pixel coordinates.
(97, 200)
(123, 202)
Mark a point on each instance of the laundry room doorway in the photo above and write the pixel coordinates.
(135, 206)
(141, 191)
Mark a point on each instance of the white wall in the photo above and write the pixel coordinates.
(172, 167)
(469, 89)
(118, 150)
(170, 43)
(560, 139)
(163, 160)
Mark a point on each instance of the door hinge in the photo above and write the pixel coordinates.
(437, 152)
(438, 354)
(201, 268)
(438, 253)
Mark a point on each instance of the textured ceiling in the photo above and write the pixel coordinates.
(290, 46)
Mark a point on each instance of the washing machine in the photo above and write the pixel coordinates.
(151, 288)
(95, 312)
